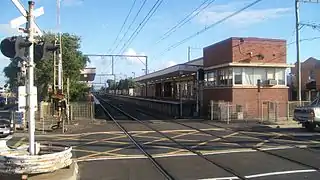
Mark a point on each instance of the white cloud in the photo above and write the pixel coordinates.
(245, 18)
(6, 30)
(138, 60)
(72, 2)
(102, 64)
(170, 63)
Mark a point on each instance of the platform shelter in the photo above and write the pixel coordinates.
(171, 83)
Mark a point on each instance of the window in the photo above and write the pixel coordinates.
(244, 76)
(237, 75)
(281, 76)
(259, 73)
(248, 76)
(219, 77)
(211, 78)
(229, 77)
(312, 75)
(270, 73)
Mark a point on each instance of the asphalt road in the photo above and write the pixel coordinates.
(103, 152)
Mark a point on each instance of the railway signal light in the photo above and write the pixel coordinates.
(43, 48)
(200, 74)
(15, 47)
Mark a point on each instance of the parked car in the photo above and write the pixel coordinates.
(6, 128)
(309, 115)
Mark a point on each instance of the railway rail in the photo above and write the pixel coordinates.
(257, 148)
(140, 147)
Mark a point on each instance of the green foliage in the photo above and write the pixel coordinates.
(122, 84)
(78, 91)
(72, 61)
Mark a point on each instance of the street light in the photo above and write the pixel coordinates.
(134, 74)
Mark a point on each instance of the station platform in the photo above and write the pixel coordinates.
(170, 108)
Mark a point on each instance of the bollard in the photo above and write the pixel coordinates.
(211, 109)
(228, 113)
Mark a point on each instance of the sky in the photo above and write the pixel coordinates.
(98, 23)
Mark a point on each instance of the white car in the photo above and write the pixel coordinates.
(6, 128)
(309, 115)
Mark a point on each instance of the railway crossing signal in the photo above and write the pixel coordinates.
(43, 48)
(17, 47)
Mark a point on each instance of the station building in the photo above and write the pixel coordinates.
(166, 83)
(246, 72)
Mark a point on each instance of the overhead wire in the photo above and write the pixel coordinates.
(125, 21)
(129, 27)
(173, 46)
(187, 19)
(141, 25)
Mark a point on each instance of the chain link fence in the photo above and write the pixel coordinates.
(47, 117)
(226, 111)
(262, 111)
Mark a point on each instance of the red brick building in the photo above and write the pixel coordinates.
(233, 68)
(310, 71)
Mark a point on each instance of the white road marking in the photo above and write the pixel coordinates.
(221, 178)
(264, 174)
(281, 173)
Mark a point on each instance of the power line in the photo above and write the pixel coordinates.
(209, 27)
(141, 25)
(125, 21)
(134, 19)
(187, 19)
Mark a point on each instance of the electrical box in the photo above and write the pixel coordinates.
(22, 98)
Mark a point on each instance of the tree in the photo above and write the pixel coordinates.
(131, 83)
(73, 62)
(111, 84)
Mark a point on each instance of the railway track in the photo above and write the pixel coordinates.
(113, 113)
(107, 106)
(257, 148)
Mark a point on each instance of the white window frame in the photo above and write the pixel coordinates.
(254, 84)
(254, 70)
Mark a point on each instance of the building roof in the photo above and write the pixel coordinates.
(88, 74)
(179, 69)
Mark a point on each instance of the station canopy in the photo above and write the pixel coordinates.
(172, 72)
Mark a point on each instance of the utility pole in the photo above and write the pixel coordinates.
(297, 16)
(54, 68)
(298, 51)
(189, 53)
(146, 65)
(29, 85)
(146, 74)
(112, 72)
(60, 70)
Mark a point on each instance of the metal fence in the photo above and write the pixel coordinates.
(262, 111)
(46, 117)
(226, 111)
(77, 110)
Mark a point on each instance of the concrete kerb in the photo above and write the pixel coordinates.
(69, 173)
